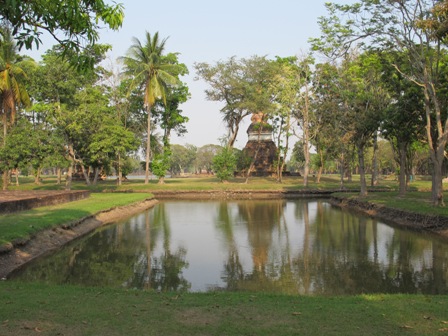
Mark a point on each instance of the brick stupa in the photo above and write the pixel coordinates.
(260, 146)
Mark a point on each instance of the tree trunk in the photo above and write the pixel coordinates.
(37, 176)
(362, 173)
(233, 136)
(402, 152)
(17, 177)
(437, 184)
(5, 179)
(120, 173)
(59, 175)
(148, 145)
(95, 175)
(252, 164)
(374, 180)
(71, 159)
(280, 165)
(342, 171)
(306, 168)
(68, 181)
(5, 128)
(437, 145)
(85, 174)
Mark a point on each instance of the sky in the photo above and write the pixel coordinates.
(212, 31)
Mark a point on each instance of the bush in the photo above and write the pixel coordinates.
(224, 164)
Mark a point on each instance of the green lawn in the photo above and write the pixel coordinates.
(328, 182)
(31, 309)
(23, 224)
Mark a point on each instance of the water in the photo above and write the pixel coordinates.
(290, 246)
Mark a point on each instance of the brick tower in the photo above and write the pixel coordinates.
(260, 146)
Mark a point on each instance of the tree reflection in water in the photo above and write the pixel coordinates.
(288, 246)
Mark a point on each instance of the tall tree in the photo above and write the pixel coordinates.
(364, 102)
(404, 120)
(326, 123)
(285, 92)
(12, 89)
(241, 85)
(152, 71)
(73, 103)
(304, 112)
(12, 77)
(403, 26)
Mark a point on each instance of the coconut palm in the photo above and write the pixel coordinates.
(12, 88)
(153, 72)
(12, 76)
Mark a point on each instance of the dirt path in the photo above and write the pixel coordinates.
(48, 240)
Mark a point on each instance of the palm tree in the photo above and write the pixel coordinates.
(12, 88)
(153, 73)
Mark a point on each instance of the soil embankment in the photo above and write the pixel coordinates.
(14, 201)
(49, 240)
(405, 219)
(237, 194)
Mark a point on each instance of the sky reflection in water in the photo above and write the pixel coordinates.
(288, 246)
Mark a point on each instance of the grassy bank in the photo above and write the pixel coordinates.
(23, 224)
(330, 182)
(414, 201)
(67, 310)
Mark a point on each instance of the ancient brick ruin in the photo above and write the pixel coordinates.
(260, 147)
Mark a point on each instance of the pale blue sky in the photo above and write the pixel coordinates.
(209, 31)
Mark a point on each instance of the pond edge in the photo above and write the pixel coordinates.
(45, 242)
(19, 253)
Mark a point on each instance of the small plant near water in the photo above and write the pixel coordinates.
(224, 164)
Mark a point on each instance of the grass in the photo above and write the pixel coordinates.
(70, 310)
(415, 201)
(329, 182)
(34, 308)
(24, 224)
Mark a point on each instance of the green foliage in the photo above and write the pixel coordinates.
(169, 115)
(13, 93)
(160, 164)
(224, 164)
(31, 145)
(182, 158)
(242, 85)
(297, 154)
(111, 139)
(243, 161)
(128, 165)
(150, 69)
(204, 157)
(73, 24)
(155, 74)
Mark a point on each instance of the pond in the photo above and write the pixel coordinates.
(298, 246)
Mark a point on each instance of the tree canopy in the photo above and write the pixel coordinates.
(73, 24)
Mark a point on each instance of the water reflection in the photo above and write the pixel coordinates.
(289, 246)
